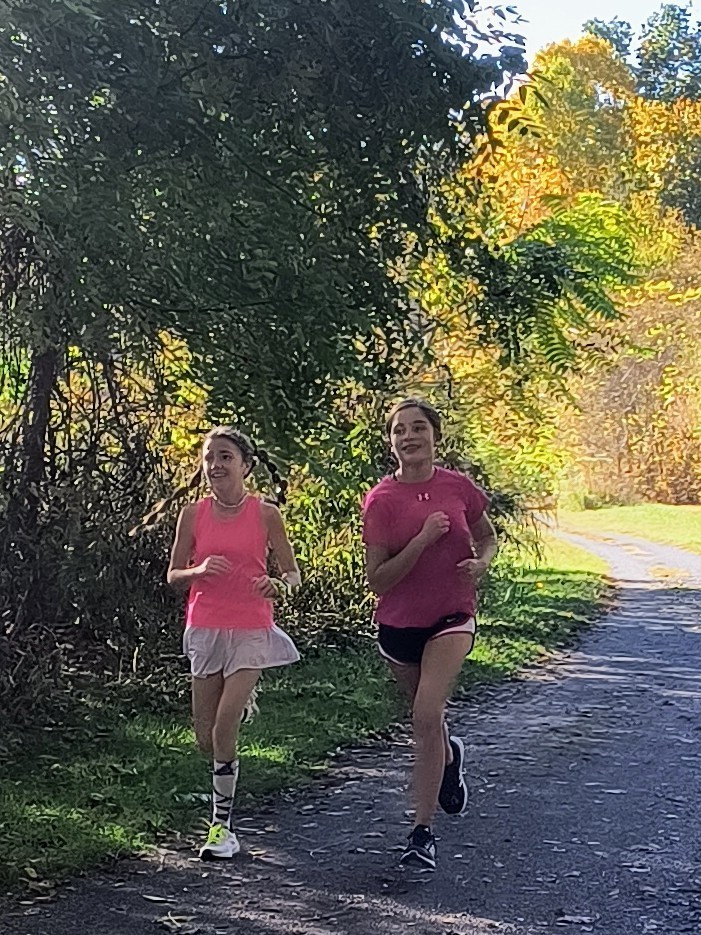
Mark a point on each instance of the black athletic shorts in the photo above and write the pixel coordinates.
(406, 645)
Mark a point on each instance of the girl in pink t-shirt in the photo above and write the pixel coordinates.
(428, 541)
(220, 557)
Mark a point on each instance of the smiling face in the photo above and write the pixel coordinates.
(224, 465)
(412, 437)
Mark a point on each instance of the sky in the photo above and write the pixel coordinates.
(553, 20)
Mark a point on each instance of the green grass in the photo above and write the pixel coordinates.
(658, 522)
(118, 777)
(568, 558)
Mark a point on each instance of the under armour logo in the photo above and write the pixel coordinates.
(423, 496)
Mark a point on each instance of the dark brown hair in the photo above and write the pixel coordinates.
(251, 454)
(412, 402)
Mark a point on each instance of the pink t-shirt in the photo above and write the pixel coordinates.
(393, 513)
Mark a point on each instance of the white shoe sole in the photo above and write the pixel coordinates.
(208, 854)
(463, 785)
(212, 852)
(412, 859)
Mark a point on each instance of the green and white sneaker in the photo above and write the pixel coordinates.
(221, 844)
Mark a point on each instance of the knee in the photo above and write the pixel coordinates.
(226, 727)
(204, 734)
(427, 719)
(204, 740)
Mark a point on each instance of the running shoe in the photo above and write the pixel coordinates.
(221, 844)
(452, 797)
(421, 849)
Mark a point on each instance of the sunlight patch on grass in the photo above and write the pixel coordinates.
(658, 522)
(256, 751)
(563, 556)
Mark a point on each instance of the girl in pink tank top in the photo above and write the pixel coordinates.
(220, 556)
(230, 600)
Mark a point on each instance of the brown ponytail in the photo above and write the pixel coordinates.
(154, 516)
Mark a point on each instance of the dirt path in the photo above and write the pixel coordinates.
(585, 785)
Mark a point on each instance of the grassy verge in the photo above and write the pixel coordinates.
(538, 609)
(118, 777)
(658, 522)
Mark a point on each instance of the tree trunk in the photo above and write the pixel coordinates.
(41, 383)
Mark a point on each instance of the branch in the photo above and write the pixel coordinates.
(200, 310)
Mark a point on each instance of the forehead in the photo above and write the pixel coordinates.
(220, 446)
(409, 416)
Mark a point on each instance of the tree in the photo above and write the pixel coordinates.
(669, 55)
(230, 178)
(585, 89)
(526, 244)
(617, 32)
(638, 430)
(666, 115)
(526, 260)
(229, 163)
(544, 206)
(667, 153)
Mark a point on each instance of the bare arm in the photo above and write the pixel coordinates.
(383, 571)
(485, 536)
(179, 574)
(486, 547)
(281, 548)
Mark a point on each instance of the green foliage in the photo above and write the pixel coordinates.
(222, 178)
(534, 293)
(216, 172)
(617, 32)
(609, 185)
(668, 71)
(682, 190)
(668, 55)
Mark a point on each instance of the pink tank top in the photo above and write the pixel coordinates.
(227, 601)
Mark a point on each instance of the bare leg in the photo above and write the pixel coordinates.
(206, 695)
(407, 677)
(441, 663)
(236, 691)
(219, 704)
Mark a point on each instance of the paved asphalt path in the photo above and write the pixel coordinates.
(585, 779)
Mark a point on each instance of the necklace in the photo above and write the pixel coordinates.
(230, 506)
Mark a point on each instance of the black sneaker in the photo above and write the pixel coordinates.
(421, 849)
(453, 795)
